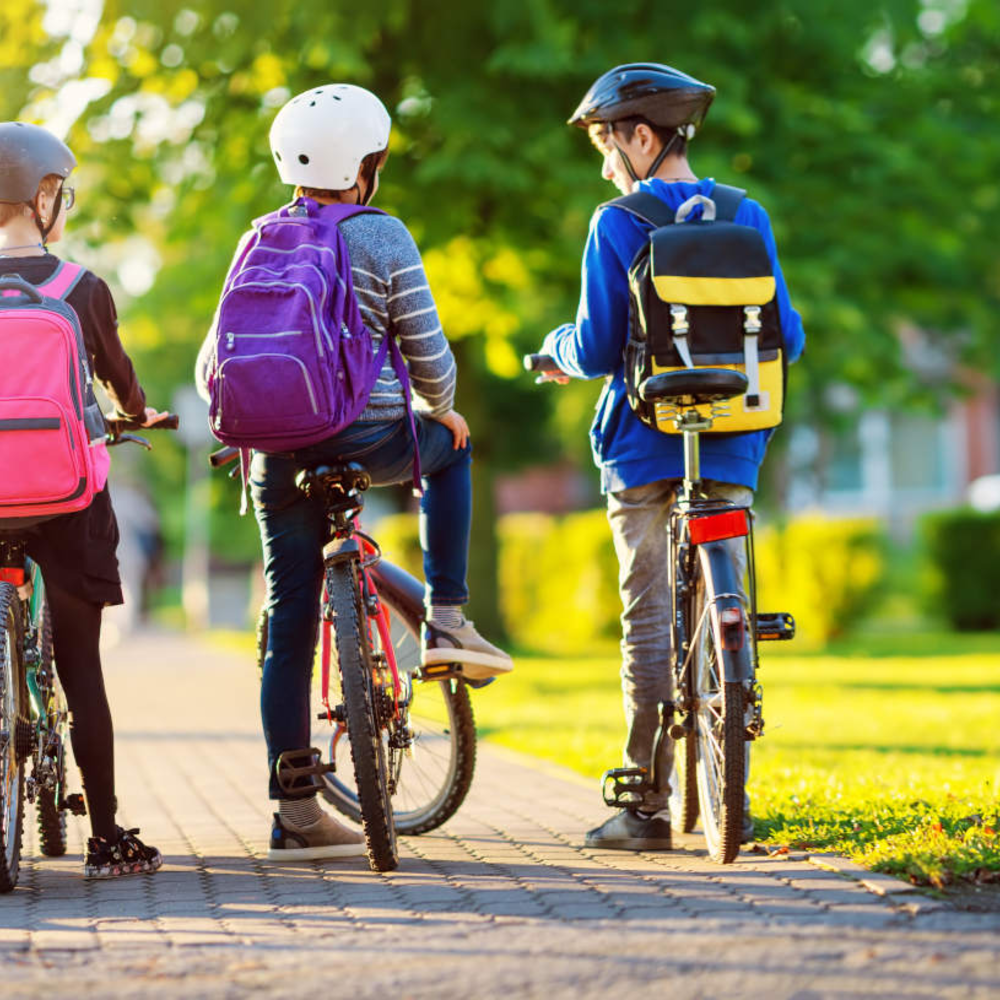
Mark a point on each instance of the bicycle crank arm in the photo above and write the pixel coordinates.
(778, 626)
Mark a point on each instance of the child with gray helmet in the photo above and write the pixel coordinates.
(331, 143)
(76, 551)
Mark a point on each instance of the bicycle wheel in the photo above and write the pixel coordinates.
(51, 818)
(720, 726)
(684, 784)
(433, 777)
(13, 723)
(361, 709)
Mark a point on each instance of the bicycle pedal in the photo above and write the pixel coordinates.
(777, 626)
(336, 715)
(625, 786)
(75, 804)
(439, 671)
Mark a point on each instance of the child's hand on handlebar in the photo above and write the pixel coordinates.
(455, 422)
(154, 416)
(552, 377)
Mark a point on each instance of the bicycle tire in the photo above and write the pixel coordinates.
(363, 731)
(720, 725)
(684, 784)
(13, 708)
(51, 818)
(432, 782)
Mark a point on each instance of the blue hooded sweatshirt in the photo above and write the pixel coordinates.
(627, 452)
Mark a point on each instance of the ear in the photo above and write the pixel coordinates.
(646, 136)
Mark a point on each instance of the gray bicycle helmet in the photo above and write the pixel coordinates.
(28, 154)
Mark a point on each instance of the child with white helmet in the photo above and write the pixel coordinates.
(331, 143)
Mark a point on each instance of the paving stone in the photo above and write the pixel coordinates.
(503, 901)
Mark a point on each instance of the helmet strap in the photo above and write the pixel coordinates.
(662, 155)
(42, 228)
(627, 162)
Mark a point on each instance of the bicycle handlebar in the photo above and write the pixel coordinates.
(541, 363)
(119, 428)
(223, 457)
(119, 425)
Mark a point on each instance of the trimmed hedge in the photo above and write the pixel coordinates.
(962, 579)
(558, 580)
(824, 571)
(559, 575)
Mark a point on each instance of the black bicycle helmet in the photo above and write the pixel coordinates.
(661, 94)
(28, 154)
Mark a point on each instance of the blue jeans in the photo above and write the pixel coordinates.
(293, 530)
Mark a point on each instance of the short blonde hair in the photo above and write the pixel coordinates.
(10, 210)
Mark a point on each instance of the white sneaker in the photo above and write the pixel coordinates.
(463, 645)
(326, 838)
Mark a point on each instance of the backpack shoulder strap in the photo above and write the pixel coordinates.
(727, 200)
(62, 281)
(645, 206)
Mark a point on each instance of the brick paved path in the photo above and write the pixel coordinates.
(502, 902)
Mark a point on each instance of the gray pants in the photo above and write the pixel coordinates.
(639, 519)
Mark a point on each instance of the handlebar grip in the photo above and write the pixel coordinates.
(540, 363)
(169, 423)
(120, 425)
(223, 457)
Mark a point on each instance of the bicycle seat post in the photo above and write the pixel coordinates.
(691, 423)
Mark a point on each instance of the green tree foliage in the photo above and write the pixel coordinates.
(868, 130)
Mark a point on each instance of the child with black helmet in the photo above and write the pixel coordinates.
(641, 117)
(76, 551)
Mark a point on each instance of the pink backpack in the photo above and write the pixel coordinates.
(53, 459)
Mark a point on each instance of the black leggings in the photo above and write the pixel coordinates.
(76, 634)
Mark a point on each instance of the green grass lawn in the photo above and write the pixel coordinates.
(886, 748)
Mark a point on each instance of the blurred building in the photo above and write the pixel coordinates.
(897, 465)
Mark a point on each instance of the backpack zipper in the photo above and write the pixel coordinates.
(317, 326)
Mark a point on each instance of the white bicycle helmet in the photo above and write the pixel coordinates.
(319, 138)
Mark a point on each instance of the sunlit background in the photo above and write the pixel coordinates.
(868, 130)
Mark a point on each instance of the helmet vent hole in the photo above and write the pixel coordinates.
(312, 104)
(303, 158)
(277, 155)
(336, 98)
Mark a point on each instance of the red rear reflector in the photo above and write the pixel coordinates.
(712, 527)
(12, 574)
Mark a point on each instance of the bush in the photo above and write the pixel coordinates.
(962, 580)
(558, 581)
(824, 571)
(559, 575)
(399, 538)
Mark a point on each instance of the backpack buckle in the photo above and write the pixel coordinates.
(679, 319)
(751, 320)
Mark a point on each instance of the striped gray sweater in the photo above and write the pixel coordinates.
(394, 296)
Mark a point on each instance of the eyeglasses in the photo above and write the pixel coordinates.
(68, 197)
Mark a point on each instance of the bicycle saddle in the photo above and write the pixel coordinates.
(703, 385)
(339, 479)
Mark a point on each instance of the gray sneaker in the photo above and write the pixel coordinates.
(626, 831)
(326, 838)
(465, 646)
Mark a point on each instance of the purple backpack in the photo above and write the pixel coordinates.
(293, 360)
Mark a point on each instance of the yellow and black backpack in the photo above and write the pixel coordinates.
(702, 294)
